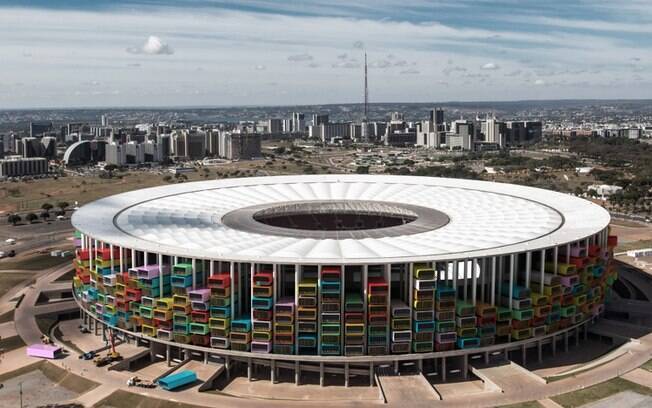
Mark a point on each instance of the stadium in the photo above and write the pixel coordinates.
(343, 274)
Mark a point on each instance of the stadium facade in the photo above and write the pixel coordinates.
(343, 273)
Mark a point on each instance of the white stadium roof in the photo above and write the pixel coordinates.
(483, 219)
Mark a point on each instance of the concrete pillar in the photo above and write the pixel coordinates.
(465, 366)
(297, 373)
(443, 369)
(554, 345)
(227, 364)
(523, 355)
(272, 371)
(566, 341)
(205, 357)
(486, 358)
(420, 366)
(371, 374)
(249, 369)
(346, 374)
(540, 351)
(321, 374)
(167, 354)
(395, 367)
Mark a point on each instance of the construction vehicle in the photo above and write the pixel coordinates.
(87, 356)
(111, 356)
(137, 382)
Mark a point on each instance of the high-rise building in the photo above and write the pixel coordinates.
(242, 146)
(37, 129)
(298, 122)
(319, 119)
(16, 166)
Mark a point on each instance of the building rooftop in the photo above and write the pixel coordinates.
(387, 219)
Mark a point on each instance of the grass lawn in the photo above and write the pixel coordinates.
(35, 263)
(7, 317)
(10, 279)
(66, 277)
(70, 381)
(598, 392)
(11, 343)
(627, 246)
(530, 404)
(647, 365)
(127, 399)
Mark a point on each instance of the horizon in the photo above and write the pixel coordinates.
(165, 53)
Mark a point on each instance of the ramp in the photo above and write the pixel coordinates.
(406, 390)
(512, 378)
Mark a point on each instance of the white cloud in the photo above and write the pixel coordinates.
(260, 67)
(153, 46)
(490, 66)
(300, 58)
(539, 82)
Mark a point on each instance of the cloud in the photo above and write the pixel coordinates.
(380, 64)
(539, 82)
(410, 71)
(260, 67)
(153, 46)
(300, 58)
(358, 45)
(514, 73)
(448, 70)
(346, 64)
(490, 66)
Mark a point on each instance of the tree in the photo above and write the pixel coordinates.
(63, 205)
(31, 217)
(110, 168)
(47, 207)
(45, 215)
(14, 219)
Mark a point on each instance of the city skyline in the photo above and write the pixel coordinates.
(222, 53)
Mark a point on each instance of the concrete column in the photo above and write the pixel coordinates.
(465, 267)
(474, 281)
(346, 374)
(540, 351)
(297, 373)
(555, 260)
(443, 369)
(420, 366)
(321, 374)
(493, 281)
(465, 366)
(212, 267)
(512, 267)
(205, 357)
(272, 371)
(528, 268)
(112, 260)
(167, 354)
(542, 270)
(554, 345)
(523, 355)
(395, 367)
(194, 273)
(232, 288)
(227, 365)
(249, 369)
(160, 274)
(371, 374)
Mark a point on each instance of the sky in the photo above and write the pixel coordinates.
(115, 53)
